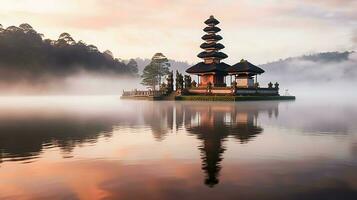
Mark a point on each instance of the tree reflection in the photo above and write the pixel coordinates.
(159, 117)
(24, 134)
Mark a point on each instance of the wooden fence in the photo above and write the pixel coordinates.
(142, 93)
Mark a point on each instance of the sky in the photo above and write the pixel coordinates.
(258, 30)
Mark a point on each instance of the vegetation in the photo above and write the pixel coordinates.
(174, 64)
(26, 55)
(155, 71)
(170, 82)
(133, 66)
(188, 81)
(179, 81)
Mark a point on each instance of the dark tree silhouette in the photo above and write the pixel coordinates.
(25, 55)
(153, 73)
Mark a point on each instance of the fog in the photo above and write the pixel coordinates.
(82, 83)
(320, 75)
(307, 77)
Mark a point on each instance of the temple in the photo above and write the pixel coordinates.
(211, 70)
(212, 73)
(216, 80)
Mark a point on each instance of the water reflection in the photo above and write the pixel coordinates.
(24, 134)
(257, 150)
(26, 131)
(25, 137)
(160, 118)
(212, 124)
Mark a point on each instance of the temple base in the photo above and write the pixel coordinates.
(233, 92)
(232, 98)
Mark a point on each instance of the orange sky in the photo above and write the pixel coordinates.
(260, 30)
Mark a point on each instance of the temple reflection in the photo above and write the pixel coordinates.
(214, 123)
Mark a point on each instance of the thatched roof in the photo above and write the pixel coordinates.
(211, 20)
(211, 29)
(217, 46)
(213, 54)
(204, 68)
(212, 37)
(245, 66)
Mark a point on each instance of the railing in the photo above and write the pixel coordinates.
(144, 93)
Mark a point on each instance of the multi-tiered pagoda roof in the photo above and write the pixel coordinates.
(212, 70)
(211, 55)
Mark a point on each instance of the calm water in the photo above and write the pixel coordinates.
(105, 148)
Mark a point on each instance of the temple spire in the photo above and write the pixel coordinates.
(211, 47)
(211, 70)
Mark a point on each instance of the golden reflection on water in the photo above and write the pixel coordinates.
(101, 147)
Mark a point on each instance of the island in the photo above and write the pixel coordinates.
(212, 75)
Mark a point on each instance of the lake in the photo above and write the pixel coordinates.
(101, 147)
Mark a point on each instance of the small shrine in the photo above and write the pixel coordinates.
(244, 73)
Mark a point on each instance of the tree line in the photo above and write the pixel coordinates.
(25, 54)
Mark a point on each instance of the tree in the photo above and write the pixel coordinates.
(26, 28)
(92, 48)
(66, 38)
(170, 82)
(188, 81)
(149, 76)
(162, 64)
(109, 54)
(179, 80)
(153, 73)
(133, 66)
(14, 29)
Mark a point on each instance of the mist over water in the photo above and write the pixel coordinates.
(331, 75)
(81, 144)
(78, 84)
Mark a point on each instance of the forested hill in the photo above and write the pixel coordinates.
(26, 55)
